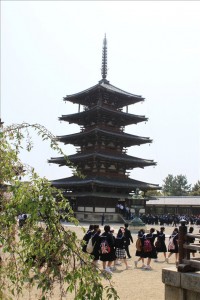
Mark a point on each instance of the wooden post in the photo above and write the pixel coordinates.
(181, 240)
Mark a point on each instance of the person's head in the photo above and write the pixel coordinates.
(122, 229)
(96, 227)
(142, 231)
(176, 230)
(152, 230)
(91, 227)
(162, 229)
(112, 230)
(126, 225)
(120, 232)
(106, 228)
(191, 229)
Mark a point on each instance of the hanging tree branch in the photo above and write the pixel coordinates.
(45, 252)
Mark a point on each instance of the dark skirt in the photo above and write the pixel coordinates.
(174, 250)
(138, 253)
(108, 256)
(95, 255)
(151, 254)
(161, 248)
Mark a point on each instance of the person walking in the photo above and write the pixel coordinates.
(120, 244)
(106, 248)
(128, 239)
(95, 242)
(173, 246)
(87, 236)
(149, 248)
(139, 248)
(160, 243)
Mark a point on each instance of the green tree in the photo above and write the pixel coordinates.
(196, 189)
(42, 253)
(154, 193)
(176, 185)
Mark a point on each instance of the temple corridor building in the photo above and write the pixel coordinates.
(101, 155)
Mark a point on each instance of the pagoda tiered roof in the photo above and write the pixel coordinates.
(104, 113)
(123, 98)
(102, 146)
(124, 139)
(129, 161)
(103, 181)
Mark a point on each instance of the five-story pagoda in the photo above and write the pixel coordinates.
(102, 150)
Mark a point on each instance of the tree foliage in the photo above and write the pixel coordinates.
(153, 193)
(176, 185)
(43, 253)
(196, 189)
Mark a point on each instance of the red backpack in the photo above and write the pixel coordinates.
(147, 246)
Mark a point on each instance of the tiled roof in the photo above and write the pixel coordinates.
(117, 90)
(123, 118)
(128, 138)
(103, 181)
(106, 86)
(106, 156)
(181, 200)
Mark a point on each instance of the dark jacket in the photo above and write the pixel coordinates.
(128, 236)
(120, 242)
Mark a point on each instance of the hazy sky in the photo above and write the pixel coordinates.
(53, 48)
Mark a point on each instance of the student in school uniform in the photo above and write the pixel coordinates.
(106, 248)
(95, 241)
(120, 243)
(128, 238)
(139, 248)
(160, 243)
(87, 236)
(150, 250)
(174, 236)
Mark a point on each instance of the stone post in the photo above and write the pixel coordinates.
(181, 240)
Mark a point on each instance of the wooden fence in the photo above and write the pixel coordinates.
(186, 262)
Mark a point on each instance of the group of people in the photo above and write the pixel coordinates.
(112, 250)
(169, 219)
(151, 244)
(107, 247)
(124, 210)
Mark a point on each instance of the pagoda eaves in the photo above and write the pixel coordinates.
(129, 162)
(124, 139)
(123, 99)
(105, 114)
(103, 181)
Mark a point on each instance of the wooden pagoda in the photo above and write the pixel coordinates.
(102, 150)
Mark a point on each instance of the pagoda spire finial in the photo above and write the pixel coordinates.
(104, 59)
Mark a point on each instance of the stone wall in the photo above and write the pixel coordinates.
(181, 286)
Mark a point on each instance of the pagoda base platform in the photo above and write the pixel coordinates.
(96, 217)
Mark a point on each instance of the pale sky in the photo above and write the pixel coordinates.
(50, 49)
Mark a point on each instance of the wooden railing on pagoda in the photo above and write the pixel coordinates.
(186, 263)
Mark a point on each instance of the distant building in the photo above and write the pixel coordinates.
(189, 205)
(102, 150)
